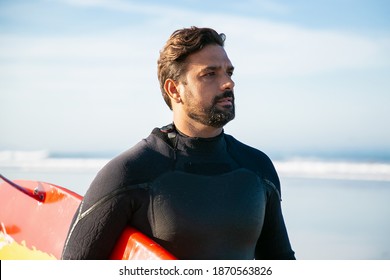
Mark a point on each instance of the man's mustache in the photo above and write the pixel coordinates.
(226, 94)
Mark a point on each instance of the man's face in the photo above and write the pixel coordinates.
(206, 87)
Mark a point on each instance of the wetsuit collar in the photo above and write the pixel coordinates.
(188, 144)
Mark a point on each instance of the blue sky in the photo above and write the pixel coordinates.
(80, 76)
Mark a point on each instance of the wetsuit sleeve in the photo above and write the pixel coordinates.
(274, 243)
(101, 217)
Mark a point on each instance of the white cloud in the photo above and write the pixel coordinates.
(122, 6)
(281, 50)
(274, 48)
(261, 5)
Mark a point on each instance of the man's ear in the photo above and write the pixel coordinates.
(171, 88)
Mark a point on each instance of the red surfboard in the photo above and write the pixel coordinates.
(35, 218)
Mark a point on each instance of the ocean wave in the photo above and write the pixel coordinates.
(308, 168)
(17, 156)
(41, 161)
(294, 167)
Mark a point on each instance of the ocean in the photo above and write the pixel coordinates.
(334, 208)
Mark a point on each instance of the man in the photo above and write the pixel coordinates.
(197, 191)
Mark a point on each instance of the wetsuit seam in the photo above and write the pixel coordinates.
(272, 185)
(73, 226)
(111, 195)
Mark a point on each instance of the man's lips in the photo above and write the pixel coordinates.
(227, 101)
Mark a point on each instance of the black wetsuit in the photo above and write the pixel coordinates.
(199, 198)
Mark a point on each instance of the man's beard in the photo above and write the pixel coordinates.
(212, 116)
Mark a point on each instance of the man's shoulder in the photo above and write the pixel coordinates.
(140, 162)
(252, 159)
(246, 150)
(144, 152)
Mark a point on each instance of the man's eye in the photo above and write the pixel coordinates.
(209, 74)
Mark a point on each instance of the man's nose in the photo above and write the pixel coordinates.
(227, 83)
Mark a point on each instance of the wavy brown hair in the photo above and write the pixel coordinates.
(182, 43)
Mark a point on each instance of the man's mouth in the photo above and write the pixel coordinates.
(227, 101)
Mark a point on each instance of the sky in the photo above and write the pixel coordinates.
(80, 75)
